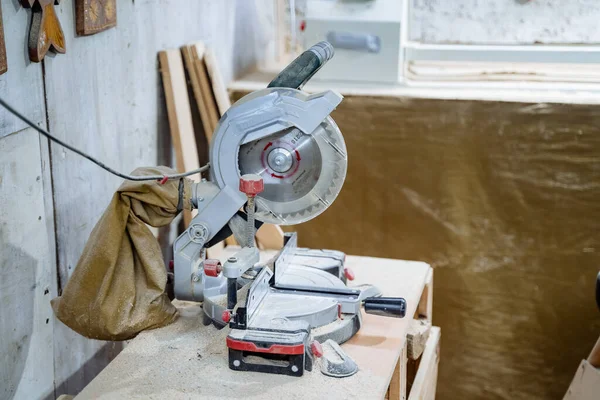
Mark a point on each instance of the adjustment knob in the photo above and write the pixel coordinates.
(226, 316)
(316, 349)
(349, 274)
(212, 267)
(251, 184)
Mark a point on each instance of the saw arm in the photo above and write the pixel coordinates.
(251, 120)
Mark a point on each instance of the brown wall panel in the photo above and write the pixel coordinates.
(503, 200)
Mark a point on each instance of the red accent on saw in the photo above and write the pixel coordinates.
(268, 145)
(164, 180)
(316, 349)
(226, 316)
(251, 184)
(171, 265)
(277, 176)
(349, 274)
(273, 349)
(212, 267)
(297, 155)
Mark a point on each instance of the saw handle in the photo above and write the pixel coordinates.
(394, 307)
(299, 71)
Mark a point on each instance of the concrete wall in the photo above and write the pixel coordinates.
(105, 97)
(505, 21)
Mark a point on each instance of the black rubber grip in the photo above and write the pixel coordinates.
(394, 307)
(303, 67)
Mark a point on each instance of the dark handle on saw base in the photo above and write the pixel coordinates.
(394, 307)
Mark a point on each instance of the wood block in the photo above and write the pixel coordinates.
(93, 16)
(270, 237)
(416, 338)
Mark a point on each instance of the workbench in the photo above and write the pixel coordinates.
(187, 360)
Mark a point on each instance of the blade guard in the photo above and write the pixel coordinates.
(268, 112)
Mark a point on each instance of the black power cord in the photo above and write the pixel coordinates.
(162, 178)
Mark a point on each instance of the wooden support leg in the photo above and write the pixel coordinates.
(425, 380)
(397, 389)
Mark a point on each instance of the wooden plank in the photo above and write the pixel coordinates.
(27, 271)
(198, 51)
(179, 111)
(585, 384)
(417, 336)
(180, 115)
(425, 383)
(216, 80)
(376, 348)
(190, 57)
(529, 92)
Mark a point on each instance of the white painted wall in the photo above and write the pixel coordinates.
(505, 21)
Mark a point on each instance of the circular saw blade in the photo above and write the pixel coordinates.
(302, 173)
(300, 165)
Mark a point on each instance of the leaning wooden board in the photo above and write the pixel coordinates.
(180, 115)
(189, 360)
(194, 62)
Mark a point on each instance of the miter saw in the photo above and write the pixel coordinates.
(278, 152)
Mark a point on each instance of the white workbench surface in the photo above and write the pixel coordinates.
(187, 360)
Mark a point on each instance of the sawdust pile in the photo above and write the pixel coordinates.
(187, 360)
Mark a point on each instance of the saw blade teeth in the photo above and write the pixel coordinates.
(300, 199)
